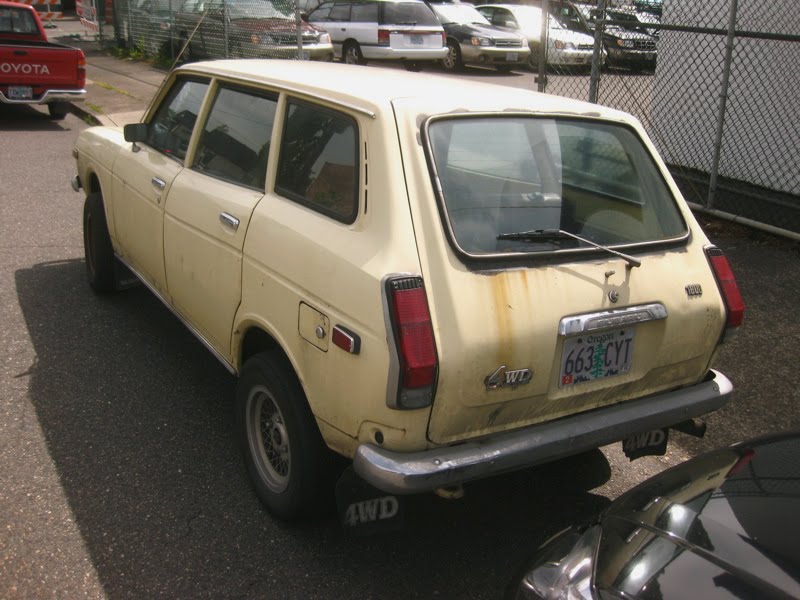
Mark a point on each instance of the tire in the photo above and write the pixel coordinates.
(58, 110)
(97, 246)
(453, 61)
(351, 54)
(413, 66)
(533, 61)
(292, 470)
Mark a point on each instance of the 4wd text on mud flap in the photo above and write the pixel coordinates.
(369, 511)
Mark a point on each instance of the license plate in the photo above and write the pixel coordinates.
(20, 92)
(512, 56)
(650, 443)
(417, 39)
(596, 356)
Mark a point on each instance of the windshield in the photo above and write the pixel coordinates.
(14, 20)
(463, 14)
(517, 174)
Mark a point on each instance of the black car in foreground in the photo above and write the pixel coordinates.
(723, 525)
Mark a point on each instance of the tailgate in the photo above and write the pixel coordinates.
(415, 38)
(39, 66)
(531, 329)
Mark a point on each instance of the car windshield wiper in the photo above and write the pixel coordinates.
(555, 234)
(407, 23)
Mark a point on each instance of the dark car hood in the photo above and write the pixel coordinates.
(723, 525)
(463, 30)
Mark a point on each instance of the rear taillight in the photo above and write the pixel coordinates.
(81, 70)
(383, 37)
(414, 342)
(727, 285)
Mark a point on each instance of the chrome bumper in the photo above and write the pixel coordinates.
(49, 96)
(413, 472)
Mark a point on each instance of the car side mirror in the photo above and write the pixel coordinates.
(135, 132)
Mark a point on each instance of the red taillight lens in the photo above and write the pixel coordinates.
(81, 70)
(383, 37)
(727, 284)
(444, 39)
(413, 329)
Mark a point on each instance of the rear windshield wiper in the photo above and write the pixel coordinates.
(406, 22)
(554, 234)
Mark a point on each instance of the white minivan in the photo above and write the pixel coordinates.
(363, 30)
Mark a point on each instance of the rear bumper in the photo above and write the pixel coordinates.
(388, 53)
(49, 96)
(413, 472)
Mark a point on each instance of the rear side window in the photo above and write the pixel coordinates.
(318, 164)
(407, 13)
(234, 145)
(514, 184)
(364, 12)
(170, 130)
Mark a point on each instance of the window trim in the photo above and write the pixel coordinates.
(553, 256)
(301, 200)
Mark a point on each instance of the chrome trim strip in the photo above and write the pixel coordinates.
(426, 470)
(278, 87)
(49, 95)
(609, 319)
(188, 325)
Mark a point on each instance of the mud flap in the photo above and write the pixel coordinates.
(366, 510)
(649, 443)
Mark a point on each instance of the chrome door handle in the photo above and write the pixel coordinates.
(159, 183)
(229, 221)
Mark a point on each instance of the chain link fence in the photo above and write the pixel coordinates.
(209, 29)
(713, 82)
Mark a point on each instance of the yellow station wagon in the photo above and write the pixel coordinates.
(439, 287)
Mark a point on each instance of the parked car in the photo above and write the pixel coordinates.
(150, 26)
(471, 39)
(246, 29)
(34, 70)
(438, 286)
(564, 47)
(629, 45)
(404, 30)
(722, 525)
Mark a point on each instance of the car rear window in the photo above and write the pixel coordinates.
(15, 20)
(407, 13)
(513, 175)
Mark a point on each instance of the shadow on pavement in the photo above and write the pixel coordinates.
(21, 117)
(139, 424)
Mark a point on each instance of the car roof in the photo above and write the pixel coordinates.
(375, 88)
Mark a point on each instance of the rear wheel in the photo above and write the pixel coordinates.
(453, 61)
(58, 110)
(292, 470)
(351, 54)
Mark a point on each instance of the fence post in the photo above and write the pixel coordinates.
(723, 101)
(597, 56)
(541, 78)
(298, 23)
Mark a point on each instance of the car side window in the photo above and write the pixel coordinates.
(171, 128)
(340, 12)
(234, 145)
(318, 164)
(364, 12)
(320, 13)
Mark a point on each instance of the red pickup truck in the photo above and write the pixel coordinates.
(34, 70)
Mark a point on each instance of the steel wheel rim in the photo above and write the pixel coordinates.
(268, 439)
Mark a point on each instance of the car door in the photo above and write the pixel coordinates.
(209, 208)
(143, 175)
